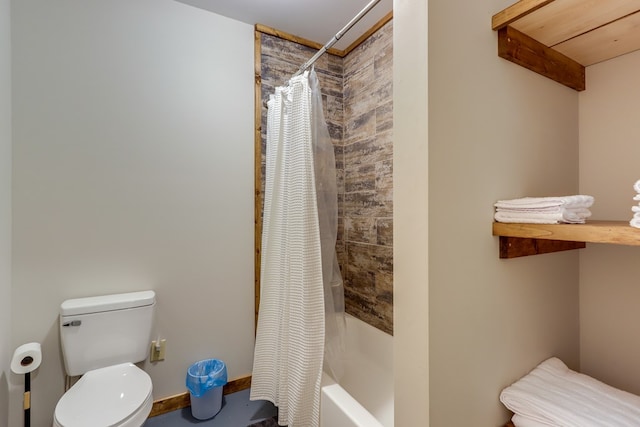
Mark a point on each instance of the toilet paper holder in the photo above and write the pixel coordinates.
(26, 359)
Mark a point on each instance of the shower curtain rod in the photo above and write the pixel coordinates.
(337, 37)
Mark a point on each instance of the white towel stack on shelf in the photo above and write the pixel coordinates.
(545, 210)
(635, 221)
(554, 395)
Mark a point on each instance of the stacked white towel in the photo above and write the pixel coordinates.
(635, 221)
(554, 395)
(545, 210)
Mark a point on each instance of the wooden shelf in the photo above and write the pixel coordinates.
(558, 38)
(532, 239)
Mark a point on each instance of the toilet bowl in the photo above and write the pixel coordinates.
(117, 395)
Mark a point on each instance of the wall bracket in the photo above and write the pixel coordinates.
(514, 247)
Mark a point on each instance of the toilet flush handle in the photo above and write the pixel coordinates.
(73, 323)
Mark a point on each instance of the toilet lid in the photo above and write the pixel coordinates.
(104, 397)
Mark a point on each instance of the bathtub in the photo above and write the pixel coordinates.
(364, 397)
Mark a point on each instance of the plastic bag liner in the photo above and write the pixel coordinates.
(204, 375)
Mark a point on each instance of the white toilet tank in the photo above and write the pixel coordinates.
(96, 332)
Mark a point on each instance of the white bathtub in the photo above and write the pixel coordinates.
(364, 397)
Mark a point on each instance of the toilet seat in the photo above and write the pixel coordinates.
(117, 395)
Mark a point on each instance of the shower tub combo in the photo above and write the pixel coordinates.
(364, 396)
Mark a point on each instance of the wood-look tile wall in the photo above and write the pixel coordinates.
(357, 98)
(367, 256)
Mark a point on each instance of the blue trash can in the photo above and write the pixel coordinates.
(205, 379)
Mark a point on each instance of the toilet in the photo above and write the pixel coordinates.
(102, 337)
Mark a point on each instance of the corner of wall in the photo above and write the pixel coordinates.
(5, 207)
(411, 214)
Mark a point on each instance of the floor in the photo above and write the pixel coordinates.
(237, 411)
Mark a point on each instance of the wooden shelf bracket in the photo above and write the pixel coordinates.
(527, 52)
(514, 247)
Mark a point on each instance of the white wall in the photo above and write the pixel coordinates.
(5, 208)
(133, 169)
(410, 213)
(496, 131)
(609, 291)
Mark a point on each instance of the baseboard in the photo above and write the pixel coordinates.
(182, 400)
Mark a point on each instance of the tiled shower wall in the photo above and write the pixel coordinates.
(367, 258)
(357, 98)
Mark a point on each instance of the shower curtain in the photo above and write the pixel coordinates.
(301, 314)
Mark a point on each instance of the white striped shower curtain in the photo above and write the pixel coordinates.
(292, 319)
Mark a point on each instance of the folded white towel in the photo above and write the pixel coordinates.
(577, 201)
(635, 221)
(570, 216)
(551, 209)
(500, 217)
(636, 197)
(522, 421)
(555, 395)
(636, 186)
(635, 209)
(585, 212)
